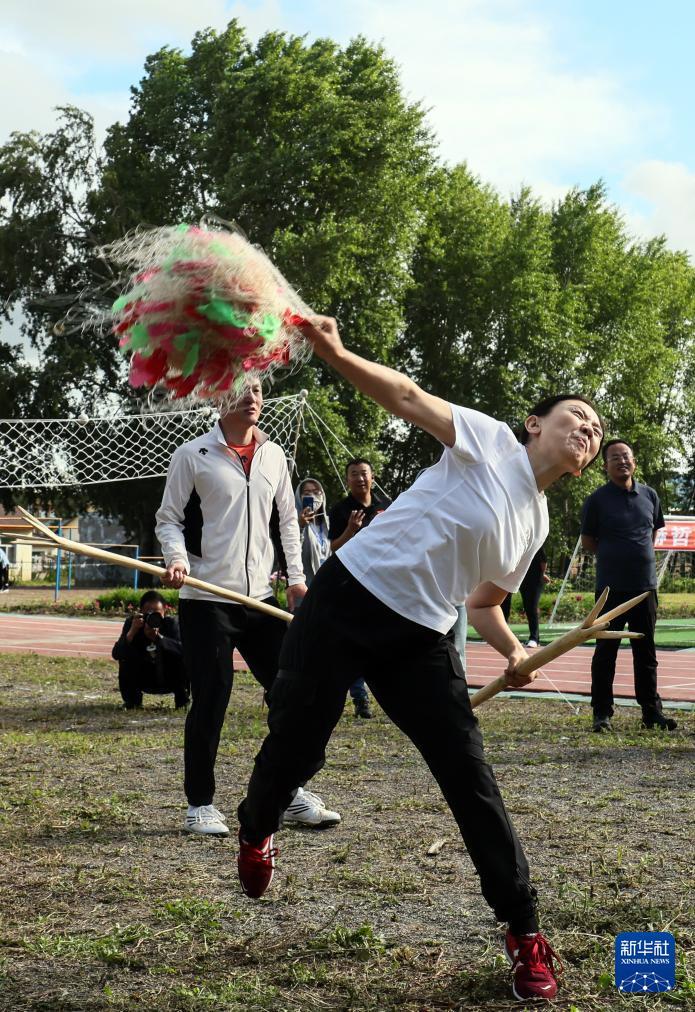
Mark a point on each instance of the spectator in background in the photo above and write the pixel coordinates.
(149, 655)
(359, 507)
(619, 521)
(531, 589)
(347, 518)
(310, 500)
(4, 571)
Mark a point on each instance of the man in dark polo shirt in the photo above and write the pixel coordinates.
(618, 524)
(345, 520)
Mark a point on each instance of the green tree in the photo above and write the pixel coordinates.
(17, 383)
(47, 243)
(514, 302)
(310, 148)
(449, 306)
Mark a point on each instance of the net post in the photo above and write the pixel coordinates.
(553, 613)
(303, 395)
(135, 571)
(662, 571)
(58, 560)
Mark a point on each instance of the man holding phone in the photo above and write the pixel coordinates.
(310, 500)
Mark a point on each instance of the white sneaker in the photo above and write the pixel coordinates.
(207, 820)
(307, 809)
(532, 643)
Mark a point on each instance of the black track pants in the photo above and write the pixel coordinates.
(641, 618)
(416, 675)
(209, 634)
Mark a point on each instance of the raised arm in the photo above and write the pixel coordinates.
(389, 388)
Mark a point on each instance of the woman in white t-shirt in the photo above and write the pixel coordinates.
(465, 531)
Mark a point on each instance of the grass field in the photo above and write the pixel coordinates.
(108, 905)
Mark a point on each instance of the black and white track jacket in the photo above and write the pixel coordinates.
(215, 519)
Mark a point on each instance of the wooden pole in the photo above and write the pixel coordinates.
(146, 567)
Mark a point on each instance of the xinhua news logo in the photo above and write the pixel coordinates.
(645, 962)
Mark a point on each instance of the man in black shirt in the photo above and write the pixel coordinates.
(618, 524)
(345, 520)
(359, 507)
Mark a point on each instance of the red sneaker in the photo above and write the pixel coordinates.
(533, 972)
(256, 866)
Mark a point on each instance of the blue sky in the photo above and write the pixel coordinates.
(546, 93)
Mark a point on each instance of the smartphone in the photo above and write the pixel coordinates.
(307, 501)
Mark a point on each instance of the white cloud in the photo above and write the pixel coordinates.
(666, 191)
(47, 48)
(36, 90)
(499, 94)
(501, 97)
(90, 30)
(267, 16)
(30, 93)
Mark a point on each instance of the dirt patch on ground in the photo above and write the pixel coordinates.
(107, 904)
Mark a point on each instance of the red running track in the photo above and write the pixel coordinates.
(571, 673)
(76, 637)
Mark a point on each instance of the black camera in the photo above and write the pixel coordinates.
(154, 619)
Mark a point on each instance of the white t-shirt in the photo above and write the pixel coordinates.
(474, 516)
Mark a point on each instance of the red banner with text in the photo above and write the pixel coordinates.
(677, 536)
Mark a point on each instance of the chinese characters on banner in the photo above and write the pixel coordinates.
(677, 536)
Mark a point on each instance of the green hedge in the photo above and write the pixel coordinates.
(677, 584)
(574, 606)
(127, 599)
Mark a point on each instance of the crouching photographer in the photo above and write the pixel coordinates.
(149, 655)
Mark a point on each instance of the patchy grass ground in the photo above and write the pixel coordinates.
(107, 904)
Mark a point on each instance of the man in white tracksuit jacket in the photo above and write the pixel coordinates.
(214, 524)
